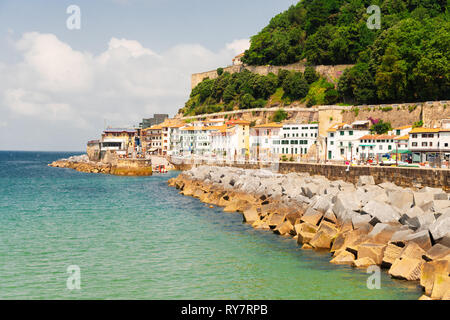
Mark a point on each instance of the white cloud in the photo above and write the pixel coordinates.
(54, 86)
(239, 46)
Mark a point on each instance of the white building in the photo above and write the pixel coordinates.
(194, 140)
(343, 140)
(262, 139)
(232, 140)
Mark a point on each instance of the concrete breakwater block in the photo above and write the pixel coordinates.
(399, 229)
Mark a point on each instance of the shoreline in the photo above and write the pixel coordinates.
(403, 231)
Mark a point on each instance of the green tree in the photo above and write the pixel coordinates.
(381, 127)
(279, 115)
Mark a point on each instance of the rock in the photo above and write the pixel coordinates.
(323, 239)
(437, 252)
(388, 186)
(406, 268)
(361, 221)
(307, 247)
(441, 285)
(445, 240)
(382, 233)
(363, 262)
(391, 253)
(440, 227)
(425, 298)
(293, 217)
(401, 199)
(373, 251)
(422, 238)
(284, 228)
(322, 204)
(330, 217)
(412, 250)
(440, 205)
(420, 198)
(382, 211)
(401, 235)
(440, 196)
(251, 215)
(339, 242)
(414, 212)
(343, 257)
(428, 272)
(304, 237)
(312, 216)
(310, 190)
(430, 190)
(366, 180)
(275, 219)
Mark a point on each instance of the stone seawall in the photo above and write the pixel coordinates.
(123, 167)
(405, 177)
(404, 231)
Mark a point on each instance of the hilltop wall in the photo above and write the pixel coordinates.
(431, 113)
(332, 73)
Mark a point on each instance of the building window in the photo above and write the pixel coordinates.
(350, 132)
(342, 133)
(424, 144)
(414, 136)
(414, 144)
(332, 135)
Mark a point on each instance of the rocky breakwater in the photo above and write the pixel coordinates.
(83, 164)
(405, 231)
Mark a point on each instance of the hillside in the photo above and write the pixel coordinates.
(407, 60)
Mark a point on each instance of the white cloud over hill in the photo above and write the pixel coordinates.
(56, 97)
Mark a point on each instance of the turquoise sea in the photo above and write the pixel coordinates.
(136, 238)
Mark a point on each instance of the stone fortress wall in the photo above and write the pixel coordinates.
(332, 73)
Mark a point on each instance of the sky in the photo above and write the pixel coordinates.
(129, 59)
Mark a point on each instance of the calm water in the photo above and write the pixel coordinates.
(136, 238)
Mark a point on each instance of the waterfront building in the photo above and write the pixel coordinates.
(343, 140)
(296, 139)
(231, 141)
(120, 140)
(151, 139)
(195, 140)
(262, 139)
(378, 146)
(430, 145)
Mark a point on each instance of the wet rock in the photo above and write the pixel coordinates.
(363, 262)
(391, 253)
(251, 215)
(284, 228)
(406, 268)
(323, 239)
(343, 257)
(373, 251)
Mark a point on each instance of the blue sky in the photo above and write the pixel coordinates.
(130, 59)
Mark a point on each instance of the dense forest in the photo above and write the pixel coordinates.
(407, 59)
